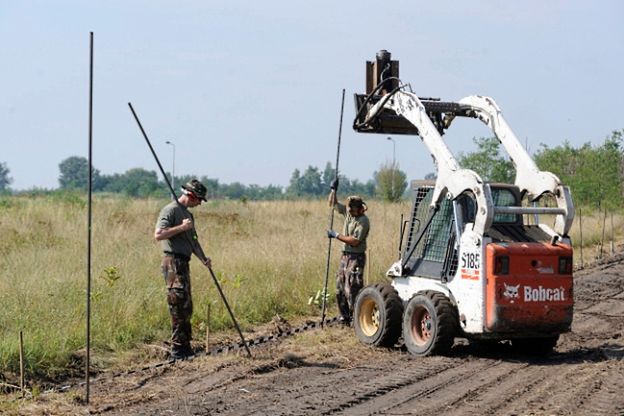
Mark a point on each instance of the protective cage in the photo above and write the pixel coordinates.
(434, 253)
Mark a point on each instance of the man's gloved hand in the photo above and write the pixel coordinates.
(334, 185)
(332, 234)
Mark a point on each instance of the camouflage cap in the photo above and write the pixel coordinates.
(355, 201)
(197, 188)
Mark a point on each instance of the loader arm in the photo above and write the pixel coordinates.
(451, 180)
(529, 178)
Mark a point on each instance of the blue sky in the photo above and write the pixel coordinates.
(248, 91)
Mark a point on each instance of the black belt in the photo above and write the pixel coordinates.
(178, 256)
(350, 253)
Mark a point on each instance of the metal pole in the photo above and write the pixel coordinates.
(21, 353)
(331, 214)
(393, 149)
(612, 236)
(581, 234)
(199, 252)
(173, 164)
(89, 217)
(393, 164)
(604, 225)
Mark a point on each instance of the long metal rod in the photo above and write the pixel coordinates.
(199, 252)
(331, 214)
(89, 218)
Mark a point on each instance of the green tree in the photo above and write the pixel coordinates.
(391, 182)
(235, 190)
(5, 179)
(140, 182)
(75, 174)
(311, 182)
(294, 186)
(488, 161)
(593, 173)
(329, 173)
(307, 185)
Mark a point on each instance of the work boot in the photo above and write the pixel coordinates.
(181, 352)
(344, 320)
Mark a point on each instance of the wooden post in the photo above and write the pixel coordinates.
(581, 234)
(207, 326)
(368, 268)
(604, 224)
(21, 352)
(612, 237)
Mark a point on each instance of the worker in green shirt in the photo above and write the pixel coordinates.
(175, 229)
(349, 279)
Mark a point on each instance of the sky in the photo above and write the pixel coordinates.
(249, 91)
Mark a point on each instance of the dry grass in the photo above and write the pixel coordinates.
(269, 257)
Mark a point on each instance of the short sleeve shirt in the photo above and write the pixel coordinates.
(170, 216)
(357, 227)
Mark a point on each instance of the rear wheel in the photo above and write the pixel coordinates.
(429, 324)
(378, 311)
(535, 346)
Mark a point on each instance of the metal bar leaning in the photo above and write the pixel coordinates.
(192, 241)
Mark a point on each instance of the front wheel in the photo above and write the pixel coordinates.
(378, 311)
(429, 324)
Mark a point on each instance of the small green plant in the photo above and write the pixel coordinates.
(111, 275)
(317, 298)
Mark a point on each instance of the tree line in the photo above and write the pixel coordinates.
(594, 173)
(142, 183)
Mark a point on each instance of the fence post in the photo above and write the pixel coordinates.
(612, 236)
(367, 276)
(604, 224)
(207, 327)
(581, 234)
(21, 353)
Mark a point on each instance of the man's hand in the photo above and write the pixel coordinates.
(187, 224)
(208, 262)
(334, 185)
(332, 234)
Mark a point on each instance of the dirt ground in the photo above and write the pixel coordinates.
(324, 372)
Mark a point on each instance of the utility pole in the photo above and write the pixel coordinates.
(173, 168)
(393, 163)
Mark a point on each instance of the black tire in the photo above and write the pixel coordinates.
(535, 346)
(377, 316)
(430, 324)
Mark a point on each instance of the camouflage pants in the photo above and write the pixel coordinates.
(349, 281)
(178, 279)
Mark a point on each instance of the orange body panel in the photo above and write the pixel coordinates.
(533, 297)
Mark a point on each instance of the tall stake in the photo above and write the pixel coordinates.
(581, 235)
(604, 225)
(21, 352)
(331, 214)
(88, 358)
(199, 252)
(612, 237)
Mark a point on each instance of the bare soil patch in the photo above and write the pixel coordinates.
(324, 372)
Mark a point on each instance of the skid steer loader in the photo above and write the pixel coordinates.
(476, 261)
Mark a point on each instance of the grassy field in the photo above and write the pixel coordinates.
(269, 257)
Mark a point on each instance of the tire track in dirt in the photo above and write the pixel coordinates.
(606, 397)
(584, 377)
(561, 391)
(421, 397)
(417, 382)
(326, 392)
